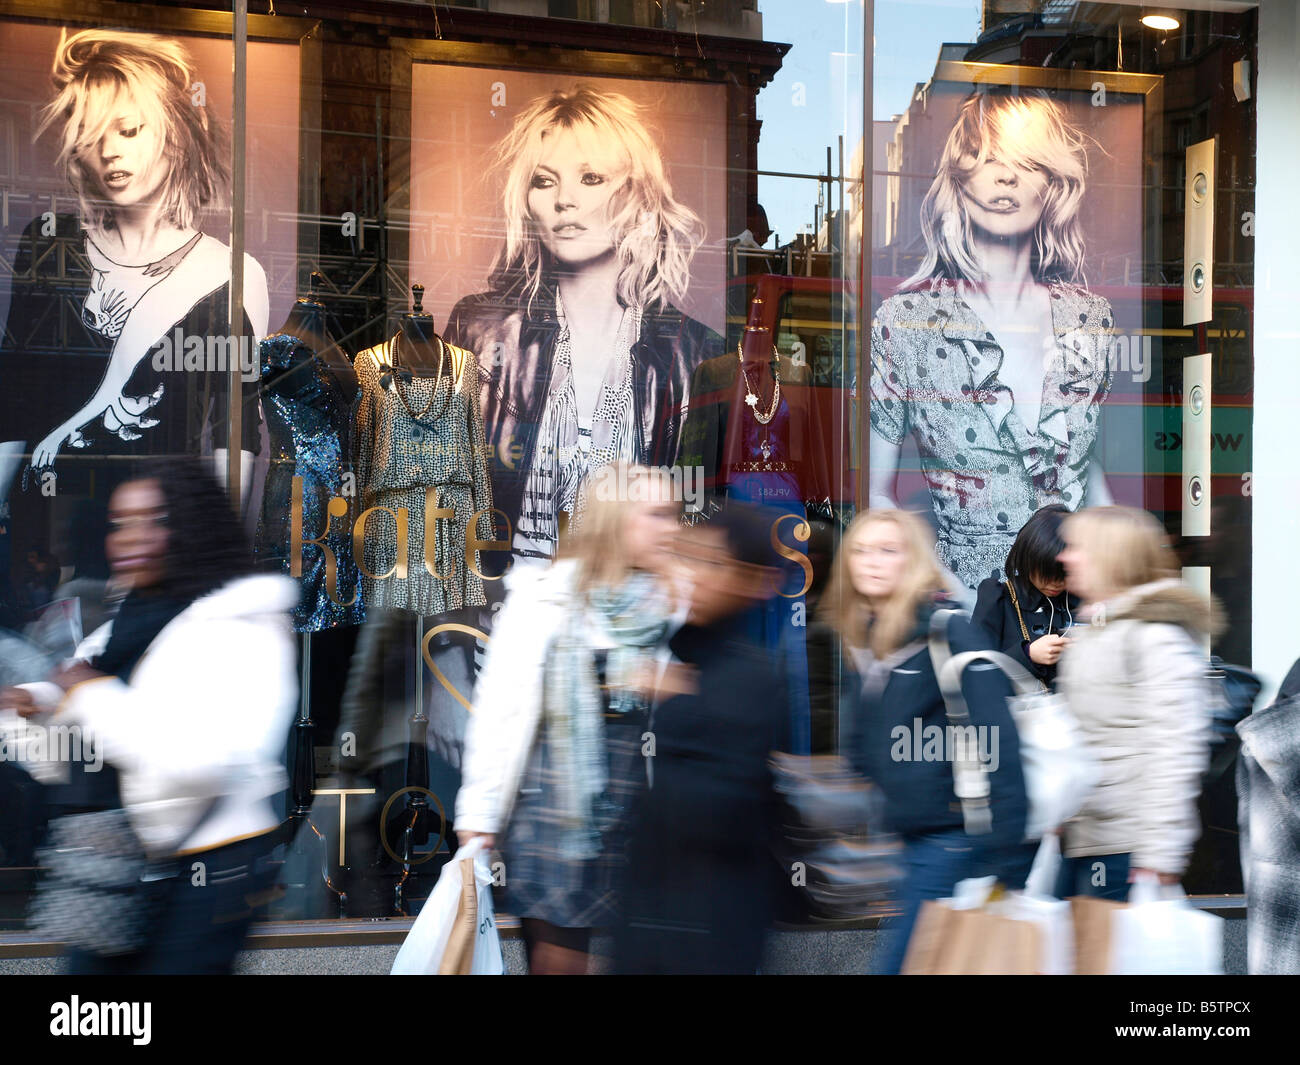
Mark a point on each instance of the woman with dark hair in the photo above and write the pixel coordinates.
(1029, 613)
(185, 697)
(701, 886)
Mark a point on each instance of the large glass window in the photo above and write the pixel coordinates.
(345, 280)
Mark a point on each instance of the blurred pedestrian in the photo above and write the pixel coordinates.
(188, 693)
(1029, 612)
(1135, 679)
(886, 585)
(1268, 789)
(553, 750)
(701, 881)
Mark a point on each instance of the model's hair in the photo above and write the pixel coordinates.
(885, 626)
(94, 72)
(1035, 556)
(599, 541)
(1125, 547)
(655, 236)
(1029, 131)
(206, 543)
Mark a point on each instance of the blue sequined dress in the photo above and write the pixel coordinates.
(308, 407)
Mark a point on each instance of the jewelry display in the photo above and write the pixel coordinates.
(751, 397)
(397, 375)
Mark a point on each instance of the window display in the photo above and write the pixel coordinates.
(495, 263)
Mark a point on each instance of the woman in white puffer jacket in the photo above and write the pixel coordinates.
(1135, 678)
(184, 699)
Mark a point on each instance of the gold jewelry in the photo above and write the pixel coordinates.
(397, 382)
(751, 398)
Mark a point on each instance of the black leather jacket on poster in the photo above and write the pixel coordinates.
(515, 350)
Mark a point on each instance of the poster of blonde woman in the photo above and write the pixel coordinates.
(583, 264)
(994, 356)
(118, 340)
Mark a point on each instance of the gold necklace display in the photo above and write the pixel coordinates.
(395, 374)
(751, 397)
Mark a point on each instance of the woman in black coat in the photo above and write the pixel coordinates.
(701, 887)
(887, 586)
(1029, 613)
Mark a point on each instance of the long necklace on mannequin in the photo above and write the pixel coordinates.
(751, 399)
(395, 374)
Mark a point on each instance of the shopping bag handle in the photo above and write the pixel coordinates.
(1147, 888)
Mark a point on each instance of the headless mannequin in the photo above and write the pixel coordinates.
(307, 322)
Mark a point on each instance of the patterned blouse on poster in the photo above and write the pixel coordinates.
(934, 374)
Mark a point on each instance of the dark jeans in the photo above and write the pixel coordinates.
(932, 865)
(200, 927)
(1104, 876)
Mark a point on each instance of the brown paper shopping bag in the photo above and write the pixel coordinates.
(1092, 934)
(971, 942)
(459, 955)
(1092, 931)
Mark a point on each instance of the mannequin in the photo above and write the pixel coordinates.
(753, 429)
(420, 455)
(309, 389)
(308, 321)
(419, 348)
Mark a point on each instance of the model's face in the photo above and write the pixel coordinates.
(137, 545)
(568, 199)
(1078, 569)
(128, 161)
(1003, 199)
(877, 557)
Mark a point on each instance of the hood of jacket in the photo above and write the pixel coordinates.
(1167, 602)
(246, 597)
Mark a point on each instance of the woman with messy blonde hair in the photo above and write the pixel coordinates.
(146, 161)
(993, 357)
(886, 587)
(586, 358)
(654, 236)
(553, 748)
(1030, 133)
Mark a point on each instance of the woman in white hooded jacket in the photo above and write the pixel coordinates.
(185, 698)
(1135, 678)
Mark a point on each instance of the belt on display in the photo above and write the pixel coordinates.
(761, 467)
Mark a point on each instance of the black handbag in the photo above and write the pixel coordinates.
(829, 837)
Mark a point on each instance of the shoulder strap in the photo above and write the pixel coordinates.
(1011, 590)
(1024, 632)
(940, 652)
(970, 781)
